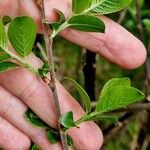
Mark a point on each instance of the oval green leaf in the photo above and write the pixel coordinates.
(5, 66)
(22, 33)
(35, 120)
(3, 36)
(118, 96)
(53, 136)
(83, 94)
(99, 6)
(117, 82)
(67, 120)
(86, 23)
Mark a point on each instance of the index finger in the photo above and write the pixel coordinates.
(117, 44)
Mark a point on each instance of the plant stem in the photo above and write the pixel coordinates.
(89, 81)
(48, 42)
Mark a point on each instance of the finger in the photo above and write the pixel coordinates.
(9, 8)
(12, 109)
(37, 95)
(11, 138)
(117, 44)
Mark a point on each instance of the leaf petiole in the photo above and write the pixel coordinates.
(22, 61)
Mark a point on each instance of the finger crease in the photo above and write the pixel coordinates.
(30, 90)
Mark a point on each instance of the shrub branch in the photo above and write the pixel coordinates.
(48, 43)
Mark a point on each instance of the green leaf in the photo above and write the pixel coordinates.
(5, 66)
(98, 116)
(46, 68)
(53, 136)
(6, 20)
(22, 33)
(35, 120)
(34, 147)
(99, 6)
(80, 5)
(83, 94)
(69, 140)
(117, 82)
(3, 55)
(67, 120)
(86, 23)
(61, 16)
(146, 23)
(56, 25)
(114, 96)
(3, 36)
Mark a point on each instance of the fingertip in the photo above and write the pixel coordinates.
(122, 47)
(89, 135)
(137, 56)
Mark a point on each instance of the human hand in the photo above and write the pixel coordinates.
(20, 89)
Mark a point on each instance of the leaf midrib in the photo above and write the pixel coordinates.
(75, 24)
(93, 7)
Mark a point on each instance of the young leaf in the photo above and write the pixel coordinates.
(79, 6)
(45, 69)
(69, 140)
(53, 136)
(86, 23)
(3, 36)
(6, 20)
(67, 120)
(99, 6)
(35, 120)
(117, 96)
(34, 147)
(55, 25)
(22, 33)
(5, 66)
(83, 94)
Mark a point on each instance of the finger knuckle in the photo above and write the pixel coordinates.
(5, 102)
(32, 87)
